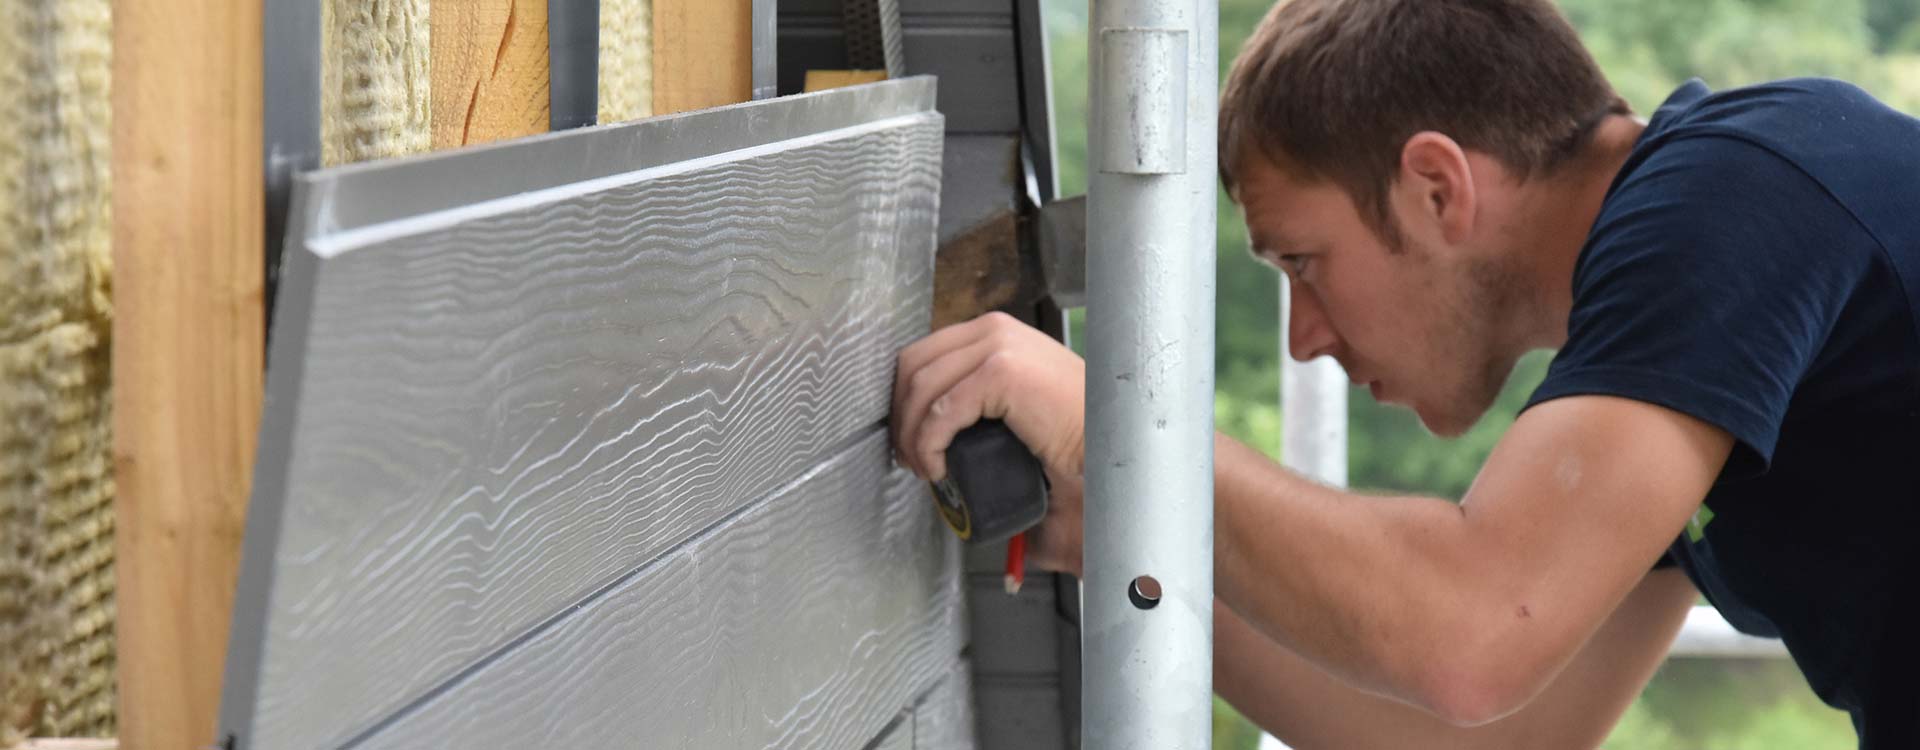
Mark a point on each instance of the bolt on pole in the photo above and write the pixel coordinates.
(1147, 675)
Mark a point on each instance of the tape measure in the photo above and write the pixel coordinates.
(994, 488)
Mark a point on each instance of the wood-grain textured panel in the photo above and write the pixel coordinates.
(897, 736)
(943, 719)
(509, 406)
(810, 620)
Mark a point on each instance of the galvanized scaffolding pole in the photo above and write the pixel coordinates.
(1313, 410)
(1148, 617)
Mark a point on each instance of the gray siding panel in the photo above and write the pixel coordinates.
(943, 720)
(810, 620)
(899, 736)
(494, 412)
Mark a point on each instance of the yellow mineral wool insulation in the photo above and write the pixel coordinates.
(56, 485)
(375, 100)
(626, 60)
(57, 511)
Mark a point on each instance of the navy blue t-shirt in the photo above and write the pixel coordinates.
(1756, 265)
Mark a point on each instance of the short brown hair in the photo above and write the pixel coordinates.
(1332, 90)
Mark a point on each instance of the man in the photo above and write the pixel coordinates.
(1735, 405)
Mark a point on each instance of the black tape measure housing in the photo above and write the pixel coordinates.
(994, 487)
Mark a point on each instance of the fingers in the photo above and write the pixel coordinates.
(930, 366)
(982, 369)
(953, 410)
(947, 339)
(914, 358)
(918, 395)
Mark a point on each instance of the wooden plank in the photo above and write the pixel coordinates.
(186, 348)
(490, 70)
(943, 719)
(821, 80)
(503, 407)
(702, 54)
(808, 621)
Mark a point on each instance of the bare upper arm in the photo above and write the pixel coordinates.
(1577, 501)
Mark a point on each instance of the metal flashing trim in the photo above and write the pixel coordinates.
(369, 193)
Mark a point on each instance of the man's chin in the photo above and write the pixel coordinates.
(1442, 424)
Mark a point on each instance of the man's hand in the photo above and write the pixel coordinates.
(995, 367)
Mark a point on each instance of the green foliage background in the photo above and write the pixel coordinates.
(1647, 48)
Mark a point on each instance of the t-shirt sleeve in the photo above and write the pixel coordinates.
(1710, 282)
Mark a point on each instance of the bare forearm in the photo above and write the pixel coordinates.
(1362, 586)
(1296, 701)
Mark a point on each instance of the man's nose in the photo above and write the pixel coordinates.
(1308, 334)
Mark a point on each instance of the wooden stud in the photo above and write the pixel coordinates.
(187, 343)
(490, 70)
(702, 54)
(821, 80)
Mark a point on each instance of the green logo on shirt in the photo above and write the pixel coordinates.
(1697, 527)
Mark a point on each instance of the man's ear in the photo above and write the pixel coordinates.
(1435, 176)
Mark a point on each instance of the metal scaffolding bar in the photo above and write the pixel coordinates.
(1313, 411)
(1148, 617)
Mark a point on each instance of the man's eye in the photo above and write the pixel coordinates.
(1295, 265)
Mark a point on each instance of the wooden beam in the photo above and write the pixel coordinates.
(821, 80)
(490, 70)
(187, 339)
(702, 54)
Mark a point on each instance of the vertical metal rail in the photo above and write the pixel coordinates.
(766, 58)
(1148, 672)
(573, 63)
(290, 117)
(1313, 411)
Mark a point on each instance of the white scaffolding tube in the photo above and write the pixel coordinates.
(1313, 411)
(1147, 674)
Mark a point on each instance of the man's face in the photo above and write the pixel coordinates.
(1420, 326)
